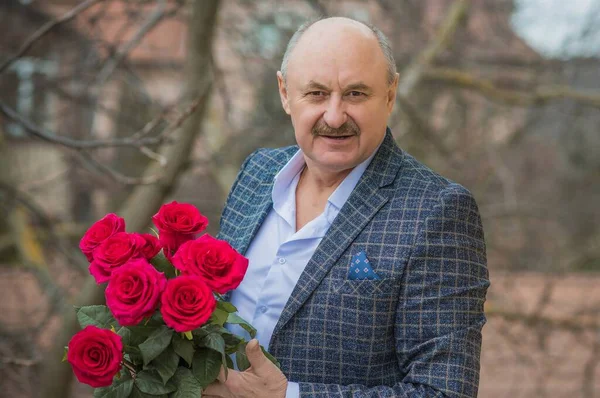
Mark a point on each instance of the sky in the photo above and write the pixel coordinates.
(559, 28)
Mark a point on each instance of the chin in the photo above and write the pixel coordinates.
(338, 164)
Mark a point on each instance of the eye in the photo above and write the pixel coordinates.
(356, 94)
(316, 93)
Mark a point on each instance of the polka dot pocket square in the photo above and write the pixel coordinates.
(360, 268)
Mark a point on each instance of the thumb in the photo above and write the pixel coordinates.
(255, 355)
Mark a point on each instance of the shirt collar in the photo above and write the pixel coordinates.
(286, 180)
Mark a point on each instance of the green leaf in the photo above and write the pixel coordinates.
(125, 335)
(200, 333)
(187, 385)
(237, 320)
(156, 343)
(149, 382)
(184, 348)
(219, 316)
(134, 355)
(232, 342)
(229, 363)
(206, 365)
(215, 342)
(241, 359)
(97, 315)
(66, 350)
(210, 328)
(120, 388)
(156, 319)
(136, 393)
(139, 334)
(162, 264)
(166, 364)
(130, 344)
(226, 306)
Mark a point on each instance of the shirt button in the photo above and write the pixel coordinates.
(281, 260)
(262, 309)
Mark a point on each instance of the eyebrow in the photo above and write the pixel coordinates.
(360, 86)
(313, 85)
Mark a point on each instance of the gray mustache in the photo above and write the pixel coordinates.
(348, 128)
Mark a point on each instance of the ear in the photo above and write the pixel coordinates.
(391, 99)
(283, 93)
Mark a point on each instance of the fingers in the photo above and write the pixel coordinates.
(255, 355)
(221, 377)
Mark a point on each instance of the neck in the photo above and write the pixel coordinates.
(323, 180)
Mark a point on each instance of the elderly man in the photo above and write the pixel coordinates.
(367, 273)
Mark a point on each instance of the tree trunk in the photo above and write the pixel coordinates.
(146, 199)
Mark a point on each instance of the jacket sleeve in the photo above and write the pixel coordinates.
(440, 312)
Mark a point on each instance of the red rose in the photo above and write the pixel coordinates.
(151, 246)
(134, 291)
(95, 355)
(177, 223)
(221, 267)
(186, 303)
(99, 232)
(114, 252)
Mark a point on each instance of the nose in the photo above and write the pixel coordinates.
(335, 115)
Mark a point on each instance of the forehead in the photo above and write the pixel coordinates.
(337, 54)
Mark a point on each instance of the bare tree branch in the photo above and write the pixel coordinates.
(45, 135)
(86, 158)
(539, 96)
(10, 194)
(151, 178)
(21, 361)
(124, 50)
(413, 74)
(41, 32)
(424, 128)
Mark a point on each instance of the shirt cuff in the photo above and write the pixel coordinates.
(293, 390)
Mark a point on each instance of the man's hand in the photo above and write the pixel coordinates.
(261, 379)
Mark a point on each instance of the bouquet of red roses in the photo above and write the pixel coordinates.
(161, 332)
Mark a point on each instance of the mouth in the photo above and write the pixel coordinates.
(337, 137)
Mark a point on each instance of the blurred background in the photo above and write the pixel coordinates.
(119, 106)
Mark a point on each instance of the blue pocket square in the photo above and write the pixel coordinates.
(360, 269)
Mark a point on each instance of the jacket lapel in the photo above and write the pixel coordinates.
(256, 206)
(362, 205)
(255, 216)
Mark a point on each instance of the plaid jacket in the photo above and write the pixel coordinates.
(416, 332)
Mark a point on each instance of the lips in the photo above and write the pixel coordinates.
(337, 137)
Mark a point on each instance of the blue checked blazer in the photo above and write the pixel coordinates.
(416, 332)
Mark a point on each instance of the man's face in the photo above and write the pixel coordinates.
(337, 94)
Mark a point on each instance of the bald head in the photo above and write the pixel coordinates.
(321, 33)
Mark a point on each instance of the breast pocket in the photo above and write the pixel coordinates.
(367, 287)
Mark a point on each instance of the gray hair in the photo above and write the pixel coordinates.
(383, 41)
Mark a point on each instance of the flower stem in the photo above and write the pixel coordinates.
(130, 367)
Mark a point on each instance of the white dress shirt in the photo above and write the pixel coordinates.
(278, 253)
